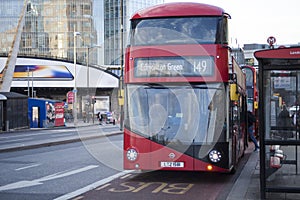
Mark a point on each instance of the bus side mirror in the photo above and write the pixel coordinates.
(234, 96)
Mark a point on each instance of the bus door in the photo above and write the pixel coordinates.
(238, 125)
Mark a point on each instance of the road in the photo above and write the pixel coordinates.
(92, 168)
(167, 185)
(53, 171)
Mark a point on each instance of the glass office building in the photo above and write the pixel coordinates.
(112, 25)
(50, 26)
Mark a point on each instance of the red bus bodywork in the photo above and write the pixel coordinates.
(178, 9)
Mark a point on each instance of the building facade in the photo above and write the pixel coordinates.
(50, 26)
(112, 24)
(55, 28)
(249, 50)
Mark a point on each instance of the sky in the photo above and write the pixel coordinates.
(253, 21)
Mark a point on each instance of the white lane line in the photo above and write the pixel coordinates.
(39, 181)
(27, 167)
(93, 186)
(67, 173)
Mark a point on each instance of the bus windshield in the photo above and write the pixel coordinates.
(180, 30)
(186, 114)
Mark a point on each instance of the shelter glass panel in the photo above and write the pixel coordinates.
(281, 129)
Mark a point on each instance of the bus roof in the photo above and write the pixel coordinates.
(178, 9)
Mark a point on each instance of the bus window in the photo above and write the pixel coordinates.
(187, 30)
(167, 113)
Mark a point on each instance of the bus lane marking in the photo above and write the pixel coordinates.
(173, 188)
(103, 186)
(126, 176)
(78, 198)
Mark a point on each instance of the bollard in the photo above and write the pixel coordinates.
(7, 126)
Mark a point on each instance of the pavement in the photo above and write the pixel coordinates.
(246, 187)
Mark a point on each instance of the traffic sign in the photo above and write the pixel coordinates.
(271, 40)
(70, 97)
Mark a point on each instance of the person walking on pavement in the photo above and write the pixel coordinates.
(99, 117)
(251, 120)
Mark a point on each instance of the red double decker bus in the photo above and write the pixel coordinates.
(184, 99)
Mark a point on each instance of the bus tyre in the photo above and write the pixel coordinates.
(233, 170)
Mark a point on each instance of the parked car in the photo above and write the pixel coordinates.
(108, 118)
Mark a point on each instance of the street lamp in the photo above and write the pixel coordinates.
(121, 83)
(75, 76)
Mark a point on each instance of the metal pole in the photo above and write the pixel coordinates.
(88, 85)
(93, 113)
(75, 77)
(262, 162)
(121, 87)
(32, 84)
(28, 87)
(88, 71)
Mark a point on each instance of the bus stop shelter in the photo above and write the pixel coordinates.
(14, 111)
(279, 122)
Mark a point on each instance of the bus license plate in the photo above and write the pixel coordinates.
(171, 164)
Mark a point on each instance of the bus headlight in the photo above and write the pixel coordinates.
(132, 154)
(215, 156)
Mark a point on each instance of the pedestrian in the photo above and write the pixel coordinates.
(99, 117)
(251, 120)
(84, 116)
(285, 122)
(284, 119)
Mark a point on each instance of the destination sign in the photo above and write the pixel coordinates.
(190, 66)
